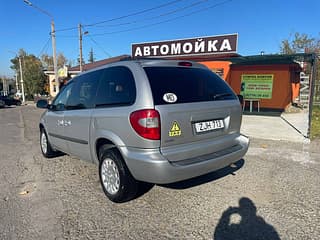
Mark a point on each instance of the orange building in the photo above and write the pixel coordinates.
(270, 81)
(274, 80)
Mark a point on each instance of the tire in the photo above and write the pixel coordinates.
(116, 180)
(45, 146)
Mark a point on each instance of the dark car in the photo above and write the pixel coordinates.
(10, 101)
(2, 104)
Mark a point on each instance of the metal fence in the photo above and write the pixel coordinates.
(316, 98)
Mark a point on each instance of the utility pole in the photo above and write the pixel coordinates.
(17, 84)
(80, 46)
(55, 65)
(21, 77)
(4, 86)
(21, 80)
(53, 38)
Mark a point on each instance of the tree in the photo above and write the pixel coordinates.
(300, 44)
(33, 76)
(91, 57)
(61, 60)
(303, 43)
(78, 60)
(47, 61)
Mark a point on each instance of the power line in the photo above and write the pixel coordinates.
(98, 45)
(149, 18)
(45, 47)
(68, 36)
(158, 16)
(122, 17)
(134, 14)
(165, 21)
(66, 29)
(152, 24)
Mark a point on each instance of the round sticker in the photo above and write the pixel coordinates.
(170, 97)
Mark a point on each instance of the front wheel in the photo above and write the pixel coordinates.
(45, 146)
(117, 182)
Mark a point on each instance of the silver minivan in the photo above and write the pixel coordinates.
(155, 121)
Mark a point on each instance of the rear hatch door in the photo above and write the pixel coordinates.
(199, 112)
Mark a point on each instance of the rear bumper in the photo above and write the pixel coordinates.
(149, 165)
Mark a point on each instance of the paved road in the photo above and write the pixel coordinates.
(273, 193)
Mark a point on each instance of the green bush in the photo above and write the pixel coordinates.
(315, 123)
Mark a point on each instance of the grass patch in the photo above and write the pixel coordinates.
(315, 123)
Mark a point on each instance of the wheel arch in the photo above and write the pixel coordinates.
(103, 141)
(108, 144)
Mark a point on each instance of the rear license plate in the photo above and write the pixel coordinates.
(209, 125)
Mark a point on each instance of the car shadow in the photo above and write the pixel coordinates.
(231, 169)
(6, 107)
(143, 188)
(243, 223)
(146, 187)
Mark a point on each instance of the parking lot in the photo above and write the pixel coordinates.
(273, 193)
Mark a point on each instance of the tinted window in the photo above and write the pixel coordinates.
(61, 99)
(116, 87)
(188, 84)
(84, 91)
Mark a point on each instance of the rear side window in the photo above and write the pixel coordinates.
(187, 84)
(116, 88)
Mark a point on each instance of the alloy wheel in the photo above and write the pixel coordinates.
(110, 176)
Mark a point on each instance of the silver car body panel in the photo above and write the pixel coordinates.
(171, 159)
(55, 130)
(189, 143)
(77, 127)
(149, 165)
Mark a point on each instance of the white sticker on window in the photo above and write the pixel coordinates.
(170, 97)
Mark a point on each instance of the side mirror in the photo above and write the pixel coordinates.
(42, 103)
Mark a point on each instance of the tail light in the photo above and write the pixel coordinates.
(146, 123)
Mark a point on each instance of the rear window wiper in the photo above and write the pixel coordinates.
(221, 95)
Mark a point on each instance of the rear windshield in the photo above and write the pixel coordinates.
(186, 85)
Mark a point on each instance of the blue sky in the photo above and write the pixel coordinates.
(261, 24)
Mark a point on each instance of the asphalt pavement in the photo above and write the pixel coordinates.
(273, 193)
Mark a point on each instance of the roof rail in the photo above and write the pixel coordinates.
(126, 58)
(148, 58)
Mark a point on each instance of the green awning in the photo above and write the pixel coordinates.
(273, 59)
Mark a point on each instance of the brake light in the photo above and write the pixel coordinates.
(146, 123)
(185, 64)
